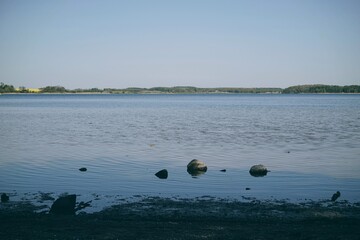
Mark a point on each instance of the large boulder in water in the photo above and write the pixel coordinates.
(64, 205)
(258, 170)
(196, 167)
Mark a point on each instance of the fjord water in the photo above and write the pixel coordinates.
(311, 144)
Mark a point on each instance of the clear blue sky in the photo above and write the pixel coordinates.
(203, 43)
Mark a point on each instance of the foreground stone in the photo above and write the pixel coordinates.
(258, 170)
(196, 167)
(64, 205)
(4, 198)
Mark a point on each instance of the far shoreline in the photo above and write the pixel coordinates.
(172, 93)
(299, 89)
(160, 93)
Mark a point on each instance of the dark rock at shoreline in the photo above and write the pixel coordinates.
(4, 198)
(196, 167)
(258, 170)
(335, 196)
(162, 174)
(83, 169)
(64, 205)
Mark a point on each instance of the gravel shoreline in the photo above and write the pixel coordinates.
(202, 218)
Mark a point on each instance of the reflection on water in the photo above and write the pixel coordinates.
(310, 143)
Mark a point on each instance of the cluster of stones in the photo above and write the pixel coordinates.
(66, 205)
(196, 167)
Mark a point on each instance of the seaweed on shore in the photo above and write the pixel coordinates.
(164, 218)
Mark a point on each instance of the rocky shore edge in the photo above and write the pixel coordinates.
(198, 218)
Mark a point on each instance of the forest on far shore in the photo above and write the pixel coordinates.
(318, 88)
(315, 88)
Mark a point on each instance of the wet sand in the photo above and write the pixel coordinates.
(201, 218)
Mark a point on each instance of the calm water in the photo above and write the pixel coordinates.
(311, 144)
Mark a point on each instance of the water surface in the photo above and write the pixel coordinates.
(311, 144)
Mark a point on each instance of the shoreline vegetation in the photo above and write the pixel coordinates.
(306, 89)
(201, 218)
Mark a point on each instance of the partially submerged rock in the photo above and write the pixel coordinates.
(335, 196)
(162, 174)
(64, 205)
(258, 170)
(196, 167)
(4, 198)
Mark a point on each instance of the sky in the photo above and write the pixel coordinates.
(201, 43)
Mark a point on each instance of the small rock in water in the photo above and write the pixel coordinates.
(83, 169)
(64, 205)
(4, 198)
(162, 174)
(223, 170)
(258, 170)
(335, 196)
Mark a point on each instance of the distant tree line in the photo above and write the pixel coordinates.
(53, 89)
(241, 90)
(4, 88)
(192, 90)
(322, 89)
